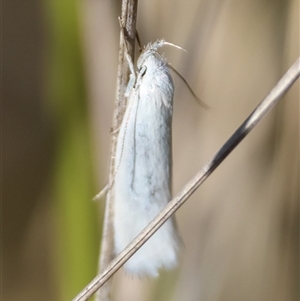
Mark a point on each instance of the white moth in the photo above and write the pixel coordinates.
(143, 172)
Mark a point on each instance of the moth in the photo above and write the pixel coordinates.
(143, 172)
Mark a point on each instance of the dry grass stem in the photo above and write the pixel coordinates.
(128, 19)
(266, 104)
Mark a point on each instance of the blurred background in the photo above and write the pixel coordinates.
(240, 229)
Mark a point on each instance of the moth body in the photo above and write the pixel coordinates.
(143, 159)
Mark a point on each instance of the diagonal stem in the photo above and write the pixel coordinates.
(259, 112)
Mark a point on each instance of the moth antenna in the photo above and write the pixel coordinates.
(131, 67)
(138, 41)
(173, 45)
(202, 103)
(110, 185)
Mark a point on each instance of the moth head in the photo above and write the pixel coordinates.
(150, 58)
(149, 62)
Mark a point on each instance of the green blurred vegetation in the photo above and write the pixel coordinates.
(76, 228)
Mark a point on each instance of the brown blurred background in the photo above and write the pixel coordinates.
(240, 229)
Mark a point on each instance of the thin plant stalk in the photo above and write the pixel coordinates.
(128, 20)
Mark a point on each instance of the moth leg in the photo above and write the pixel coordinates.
(102, 193)
(114, 131)
(132, 77)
